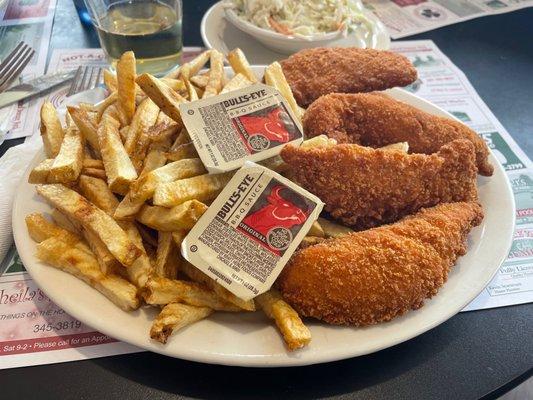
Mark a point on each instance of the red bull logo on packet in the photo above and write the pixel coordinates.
(250, 231)
(252, 124)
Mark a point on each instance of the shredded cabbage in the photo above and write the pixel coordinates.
(303, 18)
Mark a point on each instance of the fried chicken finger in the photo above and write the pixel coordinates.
(376, 120)
(365, 187)
(373, 276)
(312, 73)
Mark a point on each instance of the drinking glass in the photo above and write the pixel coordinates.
(150, 28)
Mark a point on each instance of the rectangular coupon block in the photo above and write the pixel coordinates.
(250, 231)
(252, 124)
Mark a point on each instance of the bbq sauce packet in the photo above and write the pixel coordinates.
(253, 123)
(250, 231)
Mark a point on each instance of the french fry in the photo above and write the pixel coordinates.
(175, 316)
(85, 267)
(192, 67)
(98, 193)
(178, 236)
(87, 107)
(240, 64)
(191, 91)
(239, 81)
(183, 138)
(163, 118)
(183, 216)
(118, 166)
(69, 161)
(126, 73)
(41, 172)
(95, 172)
(107, 262)
(332, 229)
(162, 132)
(41, 229)
(295, 333)
(402, 146)
(165, 98)
(140, 96)
(182, 152)
(92, 218)
(198, 276)
(110, 81)
(92, 163)
(176, 85)
(199, 91)
(128, 208)
(147, 235)
(87, 127)
(145, 186)
(154, 159)
(51, 130)
(116, 114)
(199, 80)
(274, 77)
(68, 119)
(161, 291)
(63, 222)
(104, 105)
(145, 117)
(167, 259)
(141, 269)
(202, 188)
(316, 230)
(216, 72)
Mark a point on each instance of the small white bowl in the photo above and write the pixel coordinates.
(279, 42)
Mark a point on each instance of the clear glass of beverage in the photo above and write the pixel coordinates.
(150, 28)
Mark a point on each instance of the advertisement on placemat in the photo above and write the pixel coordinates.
(409, 17)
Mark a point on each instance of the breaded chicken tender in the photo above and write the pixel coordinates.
(312, 73)
(365, 187)
(373, 276)
(377, 120)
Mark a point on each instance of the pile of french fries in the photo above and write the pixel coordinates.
(126, 185)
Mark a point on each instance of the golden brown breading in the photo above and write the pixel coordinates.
(376, 120)
(312, 73)
(373, 276)
(365, 187)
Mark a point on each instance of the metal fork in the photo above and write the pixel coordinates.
(14, 63)
(86, 78)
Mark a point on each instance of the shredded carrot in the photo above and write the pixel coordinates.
(279, 27)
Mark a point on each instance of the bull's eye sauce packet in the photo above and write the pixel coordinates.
(253, 123)
(249, 232)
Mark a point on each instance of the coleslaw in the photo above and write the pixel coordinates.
(303, 18)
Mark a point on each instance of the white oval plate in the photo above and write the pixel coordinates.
(220, 34)
(249, 339)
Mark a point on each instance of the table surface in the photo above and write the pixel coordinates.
(474, 355)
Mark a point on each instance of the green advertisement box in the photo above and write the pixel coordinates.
(502, 151)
